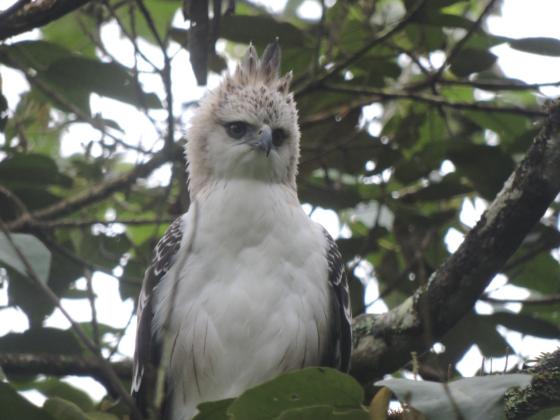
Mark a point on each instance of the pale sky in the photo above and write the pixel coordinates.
(519, 19)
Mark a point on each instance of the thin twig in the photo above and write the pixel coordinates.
(91, 298)
(318, 81)
(459, 45)
(497, 85)
(547, 300)
(120, 335)
(369, 95)
(21, 207)
(454, 406)
(316, 63)
(63, 101)
(97, 192)
(105, 366)
(165, 75)
(134, 40)
(65, 252)
(403, 275)
(130, 37)
(31, 364)
(71, 224)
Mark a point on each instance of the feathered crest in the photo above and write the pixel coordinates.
(266, 69)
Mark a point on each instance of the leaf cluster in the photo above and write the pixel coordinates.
(398, 145)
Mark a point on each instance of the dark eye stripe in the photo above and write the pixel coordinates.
(278, 137)
(236, 129)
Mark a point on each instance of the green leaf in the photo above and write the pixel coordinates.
(37, 255)
(507, 126)
(475, 329)
(449, 186)
(470, 60)
(161, 13)
(41, 340)
(525, 324)
(99, 415)
(103, 250)
(82, 74)
(540, 273)
(215, 410)
(430, 16)
(64, 410)
(31, 169)
(75, 31)
(316, 191)
(32, 117)
(423, 38)
(38, 55)
(547, 414)
(304, 388)
(260, 30)
(482, 40)
(487, 167)
(537, 45)
(74, 76)
(475, 398)
(3, 110)
(323, 413)
(14, 406)
(54, 387)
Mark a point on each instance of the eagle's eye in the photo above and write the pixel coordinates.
(236, 129)
(278, 137)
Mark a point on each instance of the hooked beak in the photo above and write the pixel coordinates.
(264, 141)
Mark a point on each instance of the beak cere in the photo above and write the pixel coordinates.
(264, 141)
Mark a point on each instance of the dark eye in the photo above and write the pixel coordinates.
(236, 129)
(278, 137)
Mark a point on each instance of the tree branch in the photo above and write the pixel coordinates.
(62, 365)
(544, 391)
(334, 70)
(98, 192)
(498, 85)
(459, 45)
(165, 73)
(36, 14)
(104, 365)
(546, 300)
(367, 95)
(383, 343)
(77, 224)
(13, 9)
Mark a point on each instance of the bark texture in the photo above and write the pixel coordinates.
(384, 343)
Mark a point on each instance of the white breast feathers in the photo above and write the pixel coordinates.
(253, 297)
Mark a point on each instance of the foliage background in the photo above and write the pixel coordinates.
(406, 121)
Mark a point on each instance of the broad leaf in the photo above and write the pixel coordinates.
(543, 46)
(474, 398)
(295, 390)
(62, 409)
(472, 61)
(14, 406)
(33, 252)
(54, 387)
(94, 76)
(260, 30)
(41, 340)
(216, 410)
(537, 273)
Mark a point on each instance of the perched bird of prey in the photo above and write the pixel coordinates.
(244, 284)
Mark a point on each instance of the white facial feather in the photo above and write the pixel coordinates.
(254, 95)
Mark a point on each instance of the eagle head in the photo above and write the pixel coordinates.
(247, 127)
